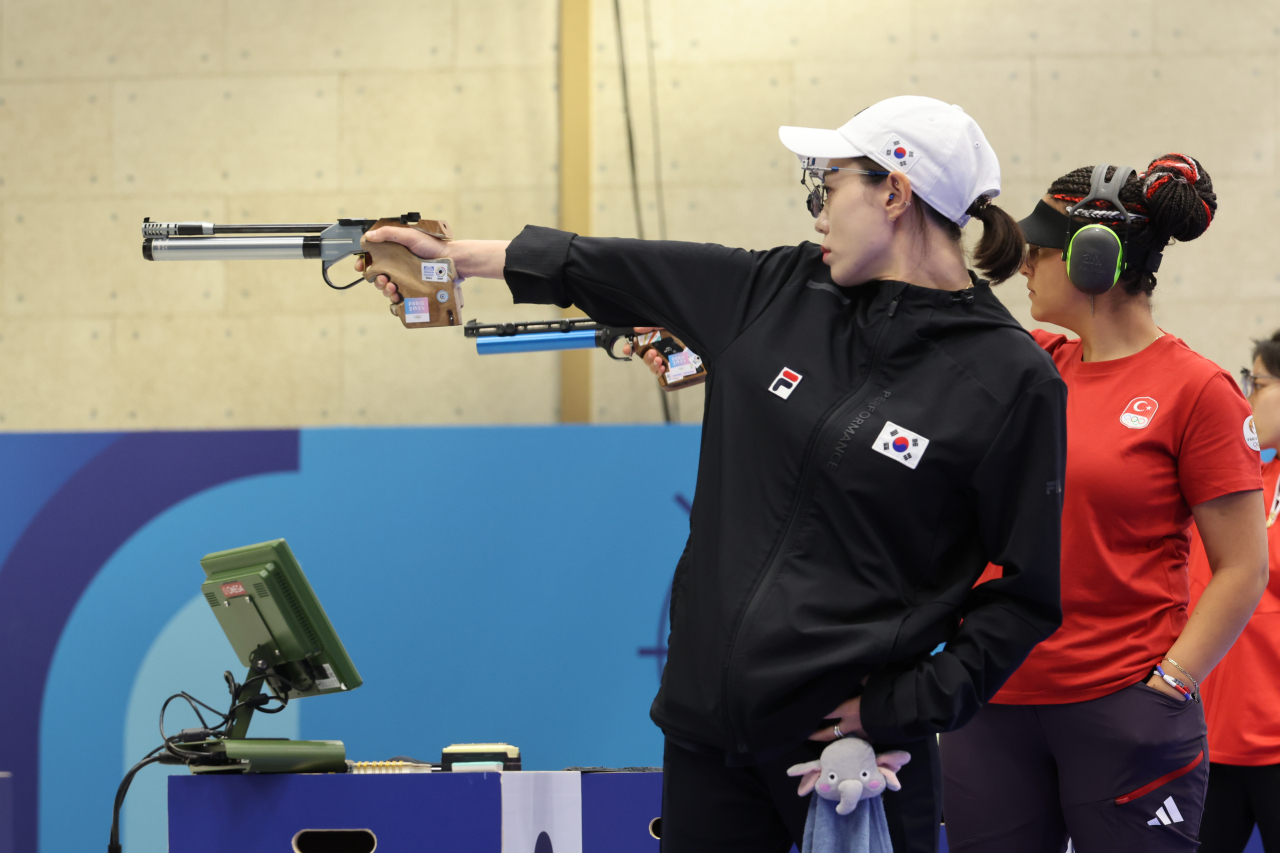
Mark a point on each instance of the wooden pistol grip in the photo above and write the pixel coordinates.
(646, 342)
(429, 290)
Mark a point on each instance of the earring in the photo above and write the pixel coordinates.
(890, 196)
(1090, 306)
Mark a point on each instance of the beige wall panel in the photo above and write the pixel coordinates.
(474, 128)
(997, 93)
(609, 126)
(749, 30)
(230, 372)
(392, 137)
(340, 35)
(748, 217)
(434, 376)
(55, 138)
(506, 33)
(56, 374)
(1219, 330)
(720, 122)
(624, 392)
(614, 213)
(483, 214)
(84, 259)
(517, 142)
(1184, 109)
(752, 30)
(1241, 26)
(111, 38)
(227, 134)
(988, 28)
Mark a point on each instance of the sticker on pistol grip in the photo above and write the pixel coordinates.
(417, 310)
(435, 271)
(682, 364)
(648, 339)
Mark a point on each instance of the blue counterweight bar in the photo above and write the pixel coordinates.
(536, 342)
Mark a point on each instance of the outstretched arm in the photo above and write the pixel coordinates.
(704, 293)
(471, 258)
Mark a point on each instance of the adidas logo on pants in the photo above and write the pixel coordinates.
(1166, 815)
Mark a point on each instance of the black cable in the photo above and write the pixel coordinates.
(113, 845)
(167, 740)
(667, 414)
(626, 112)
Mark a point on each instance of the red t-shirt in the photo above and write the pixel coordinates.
(1242, 694)
(1148, 437)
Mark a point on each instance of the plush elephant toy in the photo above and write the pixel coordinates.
(849, 771)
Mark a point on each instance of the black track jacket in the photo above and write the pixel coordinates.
(817, 554)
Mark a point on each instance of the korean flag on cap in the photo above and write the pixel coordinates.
(898, 151)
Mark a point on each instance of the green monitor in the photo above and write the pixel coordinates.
(280, 632)
(274, 620)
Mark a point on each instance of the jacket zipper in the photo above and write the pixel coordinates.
(776, 556)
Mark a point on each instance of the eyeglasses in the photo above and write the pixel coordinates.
(1250, 381)
(813, 178)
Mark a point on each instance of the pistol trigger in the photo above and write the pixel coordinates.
(612, 341)
(324, 271)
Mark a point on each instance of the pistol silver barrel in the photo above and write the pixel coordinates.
(230, 248)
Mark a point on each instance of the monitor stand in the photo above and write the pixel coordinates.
(239, 754)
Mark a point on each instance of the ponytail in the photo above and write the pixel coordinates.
(1002, 249)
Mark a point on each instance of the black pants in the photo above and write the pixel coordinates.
(1125, 772)
(710, 808)
(1238, 798)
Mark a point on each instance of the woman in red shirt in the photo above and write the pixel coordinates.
(1099, 736)
(1242, 697)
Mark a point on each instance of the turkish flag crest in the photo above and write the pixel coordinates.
(1139, 412)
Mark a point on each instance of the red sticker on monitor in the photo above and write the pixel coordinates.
(231, 590)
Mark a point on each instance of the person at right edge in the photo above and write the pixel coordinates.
(878, 429)
(1099, 737)
(1242, 696)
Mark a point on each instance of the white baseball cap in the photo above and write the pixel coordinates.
(938, 145)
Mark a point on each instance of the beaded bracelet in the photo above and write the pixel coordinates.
(1174, 683)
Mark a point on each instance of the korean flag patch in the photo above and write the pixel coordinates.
(899, 152)
(900, 444)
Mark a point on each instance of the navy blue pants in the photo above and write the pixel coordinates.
(1238, 798)
(710, 808)
(1126, 772)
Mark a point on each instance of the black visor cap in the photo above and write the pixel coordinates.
(1045, 227)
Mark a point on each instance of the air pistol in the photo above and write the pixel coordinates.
(430, 288)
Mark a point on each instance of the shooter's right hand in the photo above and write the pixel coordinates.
(652, 359)
(423, 245)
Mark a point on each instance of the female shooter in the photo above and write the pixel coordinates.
(1100, 735)
(877, 429)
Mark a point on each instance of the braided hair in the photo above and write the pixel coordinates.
(1174, 198)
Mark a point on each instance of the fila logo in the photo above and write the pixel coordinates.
(1139, 412)
(900, 444)
(786, 382)
(1166, 815)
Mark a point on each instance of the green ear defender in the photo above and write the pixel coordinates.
(1095, 254)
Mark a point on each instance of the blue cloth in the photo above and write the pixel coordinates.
(864, 830)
